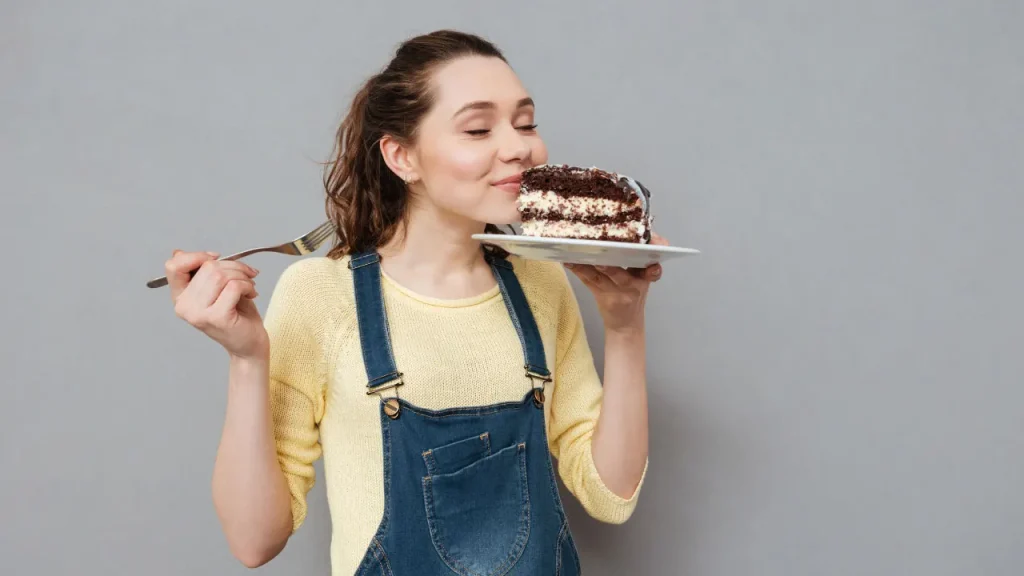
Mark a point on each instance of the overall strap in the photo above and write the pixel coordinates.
(522, 318)
(374, 338)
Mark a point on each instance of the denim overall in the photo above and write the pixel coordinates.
(468, 491)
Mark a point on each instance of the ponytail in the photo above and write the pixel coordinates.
(365, 199)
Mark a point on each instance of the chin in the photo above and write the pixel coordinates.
(501, 215)
(506, 218)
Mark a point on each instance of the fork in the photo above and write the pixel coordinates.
(305, 244)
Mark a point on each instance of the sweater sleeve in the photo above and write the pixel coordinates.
(576, 395)
(298, 378)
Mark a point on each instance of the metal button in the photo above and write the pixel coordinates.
(392, 408)
(538, 397)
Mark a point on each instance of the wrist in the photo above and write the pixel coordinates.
(628, 332)
(249, 363)
(255, 354)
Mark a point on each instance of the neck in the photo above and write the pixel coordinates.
(434, 254)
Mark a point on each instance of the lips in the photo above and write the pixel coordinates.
(515, 179)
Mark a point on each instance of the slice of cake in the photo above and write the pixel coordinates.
(559, 201)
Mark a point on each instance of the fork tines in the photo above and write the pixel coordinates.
(315, 238)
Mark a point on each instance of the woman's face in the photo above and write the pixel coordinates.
(479, 137)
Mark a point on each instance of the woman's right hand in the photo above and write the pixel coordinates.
(218, 300)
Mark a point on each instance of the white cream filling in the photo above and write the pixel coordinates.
(568, 229)
(573, 206)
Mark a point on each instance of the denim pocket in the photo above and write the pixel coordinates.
(479, 516)
(457, 455)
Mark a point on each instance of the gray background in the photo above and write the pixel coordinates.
(835, 383)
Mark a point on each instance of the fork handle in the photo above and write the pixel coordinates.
(162, 281)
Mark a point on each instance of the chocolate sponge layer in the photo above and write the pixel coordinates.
(622, 217)
(572, 181)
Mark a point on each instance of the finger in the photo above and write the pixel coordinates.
(178, 267)
(586, 273)
(229, 265)
(589, 284)
(213, 268)
(209, 285)
(229, 297)
(211, 279)
(658, 240)
(237, 265)
(618, 276)
(653, 273)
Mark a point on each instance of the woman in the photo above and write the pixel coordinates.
(400, 355)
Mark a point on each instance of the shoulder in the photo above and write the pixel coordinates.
(318, 271)
(553, 302)
(545, 284)
(539, 273)
(313, 291)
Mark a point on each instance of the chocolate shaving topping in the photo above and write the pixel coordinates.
(572, 181)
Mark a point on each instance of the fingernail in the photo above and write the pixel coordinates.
(214, 254)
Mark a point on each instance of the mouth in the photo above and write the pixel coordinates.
(510, 184)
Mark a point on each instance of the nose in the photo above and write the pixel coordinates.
(512, 146)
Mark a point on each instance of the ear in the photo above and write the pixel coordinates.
(399, 159)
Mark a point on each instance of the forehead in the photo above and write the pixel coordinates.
(475, 79)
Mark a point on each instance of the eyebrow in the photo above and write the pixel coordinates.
(484, 105)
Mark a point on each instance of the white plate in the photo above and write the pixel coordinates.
(597, 252)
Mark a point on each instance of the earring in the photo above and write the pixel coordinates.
(409, 179)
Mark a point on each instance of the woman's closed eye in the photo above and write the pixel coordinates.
(485, 131)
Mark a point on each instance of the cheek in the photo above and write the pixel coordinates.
(539, 152)
(457, 176)
(466, 164)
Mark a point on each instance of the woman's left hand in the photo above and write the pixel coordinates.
(620, 293)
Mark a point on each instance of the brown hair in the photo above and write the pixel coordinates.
(366, 201)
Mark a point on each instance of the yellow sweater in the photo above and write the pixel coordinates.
(452, 353)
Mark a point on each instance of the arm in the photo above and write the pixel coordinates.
(249, 490)
(583, 422)
(264, 465)
(270, 439)
(618, 443)
(620, 439)
(250, 493)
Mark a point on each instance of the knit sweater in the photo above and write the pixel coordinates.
(462, 352)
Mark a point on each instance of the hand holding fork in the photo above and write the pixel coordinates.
(215, 294)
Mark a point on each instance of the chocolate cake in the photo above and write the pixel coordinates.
(559, 201)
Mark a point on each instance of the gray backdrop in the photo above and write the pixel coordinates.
(835, 382)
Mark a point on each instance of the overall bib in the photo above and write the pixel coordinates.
(468, 491)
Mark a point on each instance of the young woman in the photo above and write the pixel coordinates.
(436, 376)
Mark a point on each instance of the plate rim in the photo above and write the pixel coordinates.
(496, 238)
